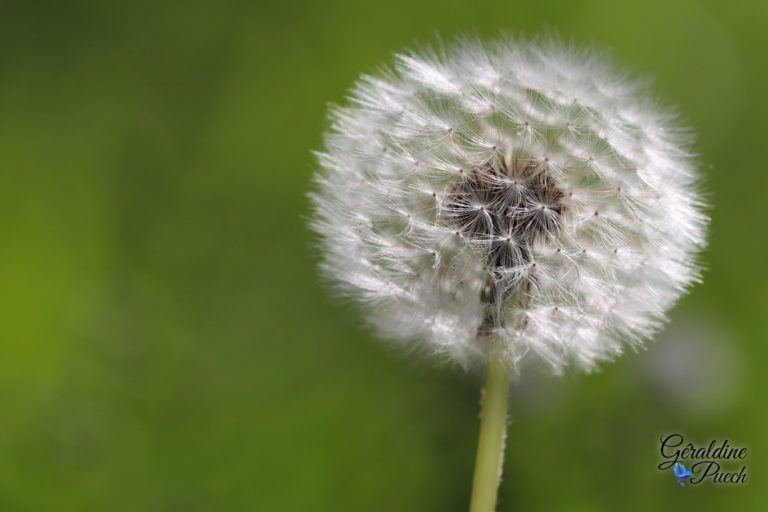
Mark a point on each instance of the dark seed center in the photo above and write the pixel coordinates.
(498, 202)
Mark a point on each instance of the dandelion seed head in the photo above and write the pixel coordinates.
(519, 191)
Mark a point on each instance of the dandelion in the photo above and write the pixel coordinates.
(508, 204)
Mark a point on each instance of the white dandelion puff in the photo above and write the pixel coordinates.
(519, 192)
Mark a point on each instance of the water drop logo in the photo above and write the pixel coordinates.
(681, 473)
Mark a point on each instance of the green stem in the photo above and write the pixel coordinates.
(493, 427)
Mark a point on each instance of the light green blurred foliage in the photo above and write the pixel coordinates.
(166, 343)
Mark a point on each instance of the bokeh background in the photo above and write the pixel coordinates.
(165, 342)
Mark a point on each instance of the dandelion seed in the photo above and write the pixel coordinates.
(542, 104)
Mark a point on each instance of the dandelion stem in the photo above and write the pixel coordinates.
(493, 427)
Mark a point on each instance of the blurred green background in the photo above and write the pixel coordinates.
(166, 344)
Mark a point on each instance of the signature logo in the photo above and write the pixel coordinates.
(717, 462)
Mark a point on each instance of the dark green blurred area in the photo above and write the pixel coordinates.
(165, 342)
